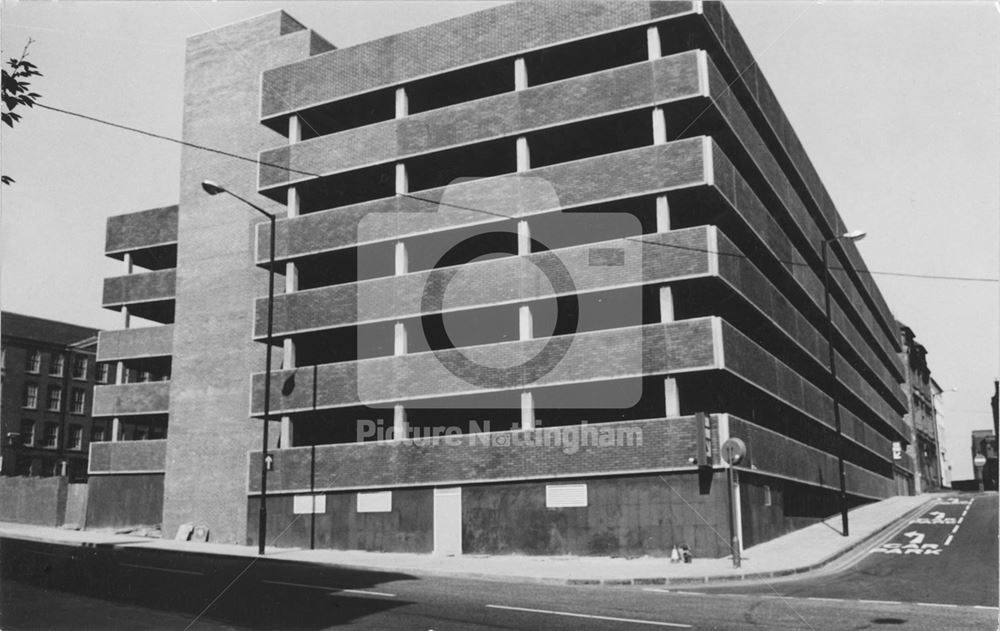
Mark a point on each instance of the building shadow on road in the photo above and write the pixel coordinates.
(246, 592)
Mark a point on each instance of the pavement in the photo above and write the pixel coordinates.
(804, 550)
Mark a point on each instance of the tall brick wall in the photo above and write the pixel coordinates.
(213, 354)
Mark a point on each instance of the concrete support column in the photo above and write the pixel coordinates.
(671, 398)
(666, 304)
(288, 354)
(520, 74)
(523, 238)
(116, 429)
(659, 126)
(402, 259)
(523, 155)
(402, 181)
(525, 323)
(400, 427)
(294, 128)
(400, 344)
(402, 266)
(402, 103)
(287, 435)
(653, 43)
(662, 214)
(126, 316)
(527, 410)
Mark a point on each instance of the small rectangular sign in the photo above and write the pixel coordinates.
(565, 495)
(377, 502)
(308, 504)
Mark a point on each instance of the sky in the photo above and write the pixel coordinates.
(896, 103)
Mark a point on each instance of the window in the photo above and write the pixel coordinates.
(79, 367)
(55, 399)
(75, 437)
(97, 434)
(33, 362)
(30, 396)
(767, 495)
(27, 432)
(79, 400)
(56, 365)
(103, 373)
(139, 433)
(51, 436)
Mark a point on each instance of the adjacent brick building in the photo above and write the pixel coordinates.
(554, 232)
(49, 372)
(919, 389)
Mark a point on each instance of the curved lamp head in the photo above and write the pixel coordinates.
(854, 235)
(212, 188)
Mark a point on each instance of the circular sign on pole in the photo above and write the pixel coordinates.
(979, 461)
(733, 450)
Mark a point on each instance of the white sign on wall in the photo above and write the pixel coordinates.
(308, 504)
(565, 495)
(377, 502)
(897, 450)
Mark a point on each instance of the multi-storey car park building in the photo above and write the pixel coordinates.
(555, 231)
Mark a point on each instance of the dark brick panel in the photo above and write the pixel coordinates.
(637, 86)
(141, 287)
(132, 398)
(409, 527)
(143, 229)
(40, 501)
(630, 173)
(481, 36)
(117, 501)
(601, 355)
(488, 282)
(625, 516)
(128, 456)
(769, 452)
(544, 453)
(152, 341)
(746, 359)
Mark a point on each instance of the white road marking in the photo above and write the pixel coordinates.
(948, 540)
(960, 519)
(333, 589)
(673, 591)
(569, 614)
(935, 604)
(163, 569)
(881, 602)
(955, 529)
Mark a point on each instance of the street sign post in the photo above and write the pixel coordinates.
(733, 451)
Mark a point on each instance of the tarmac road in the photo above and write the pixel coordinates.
(134, 588)
(947, 556)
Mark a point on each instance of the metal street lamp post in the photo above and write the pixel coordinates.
(856, 235)
(214, 189)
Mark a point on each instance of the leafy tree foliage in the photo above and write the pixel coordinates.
(17, 90)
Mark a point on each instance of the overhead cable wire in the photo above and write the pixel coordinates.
(236, 156)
